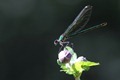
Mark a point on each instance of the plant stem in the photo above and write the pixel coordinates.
(77, 78)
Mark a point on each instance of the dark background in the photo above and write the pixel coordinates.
(28, 29)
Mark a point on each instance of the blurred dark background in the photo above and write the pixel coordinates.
(28, 29)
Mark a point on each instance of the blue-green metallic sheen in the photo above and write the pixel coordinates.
(60, 38)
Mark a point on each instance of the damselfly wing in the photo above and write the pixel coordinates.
(77, 25)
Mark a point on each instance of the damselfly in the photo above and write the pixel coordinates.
(77, 25)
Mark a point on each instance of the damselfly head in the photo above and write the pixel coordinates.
(56, 42)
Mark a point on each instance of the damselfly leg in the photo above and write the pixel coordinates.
(64, 44)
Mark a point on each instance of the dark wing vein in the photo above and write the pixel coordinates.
(89, 29)
(79, 22)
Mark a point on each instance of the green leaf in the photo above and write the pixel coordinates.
(84, 65)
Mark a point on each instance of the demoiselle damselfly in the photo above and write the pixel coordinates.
(77, 26)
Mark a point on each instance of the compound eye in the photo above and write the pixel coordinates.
(56, 42)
